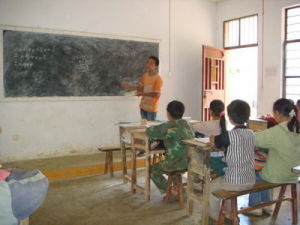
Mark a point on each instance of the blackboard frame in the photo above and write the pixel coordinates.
(3, 98)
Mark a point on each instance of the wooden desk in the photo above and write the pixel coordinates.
(127, 127)
(122, 129)
(257, 125)
(140, 141)
(198, 167)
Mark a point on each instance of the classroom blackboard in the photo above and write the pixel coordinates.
(45, 64)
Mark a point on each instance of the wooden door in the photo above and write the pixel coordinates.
(213, 77)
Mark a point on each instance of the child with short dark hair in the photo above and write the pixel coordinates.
(239, 155)
(283, 144)
(172, 133)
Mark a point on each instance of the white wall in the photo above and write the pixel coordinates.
(49, 128)
(270, 42)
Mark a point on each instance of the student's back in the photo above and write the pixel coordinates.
(239, 147)
(181, 130)
(239, 155)
(284, 153)
(172, 132)
(283, 144)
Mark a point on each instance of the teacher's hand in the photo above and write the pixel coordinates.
(125, 85)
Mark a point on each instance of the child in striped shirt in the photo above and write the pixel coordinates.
(239, 147)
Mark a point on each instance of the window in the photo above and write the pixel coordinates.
(291, 78)
(240, 32)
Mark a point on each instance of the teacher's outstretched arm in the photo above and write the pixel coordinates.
(128, 86)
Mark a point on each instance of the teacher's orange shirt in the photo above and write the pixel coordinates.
(150, 84)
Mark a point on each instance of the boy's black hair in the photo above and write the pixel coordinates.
(176, 109)
(298, 102)
(217, 107)
(287, 109)
(155, 59)
(238, 111)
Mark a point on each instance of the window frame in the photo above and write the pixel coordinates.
(239, 45)
(285, 43)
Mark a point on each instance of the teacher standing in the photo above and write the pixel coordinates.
(149, 88)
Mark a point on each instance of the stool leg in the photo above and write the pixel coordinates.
(111, 164)
(278, 204)
(106, 163)
(169, 188)
(222, 213)
(179, 189)
(294, 203)
(234, 215)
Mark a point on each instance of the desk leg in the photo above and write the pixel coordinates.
(189, 193)
(206, 193)
(123, 155)
(147, 177)
(133, 171)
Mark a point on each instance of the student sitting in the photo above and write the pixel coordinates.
(215, 126)
(171, 132)
(239, 155)
(283, 143)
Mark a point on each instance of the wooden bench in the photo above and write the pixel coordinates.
(109, 164)
(232, 196)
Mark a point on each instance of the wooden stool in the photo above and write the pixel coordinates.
(109, 164)
(174, 183)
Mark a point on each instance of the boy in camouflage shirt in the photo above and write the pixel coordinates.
(172, 133)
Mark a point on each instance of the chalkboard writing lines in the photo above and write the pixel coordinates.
(29, 50)
(27, 58)
(82, 63)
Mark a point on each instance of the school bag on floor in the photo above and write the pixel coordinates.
(21, 194)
